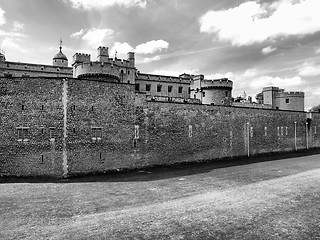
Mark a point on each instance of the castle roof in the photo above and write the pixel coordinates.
(60, 55)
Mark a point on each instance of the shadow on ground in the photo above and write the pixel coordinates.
(163, 172)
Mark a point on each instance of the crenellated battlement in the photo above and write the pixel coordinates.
(290, 94)
(81, 58)
(217, 83)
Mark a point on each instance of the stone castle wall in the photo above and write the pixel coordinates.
(16, 69)
(79, 126)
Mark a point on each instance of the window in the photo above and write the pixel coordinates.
(286, 131)
(137, 87)
(96, 133)
(281, 131)
(190, 131)
(251, 131)
(136, 131)
(52, 132)
(159, 88)
(278, 131)
(23, 134)
(315, 129)
(128, 71)
(169, 88)
(148, 87)
(265, 131)
(180, 89)
(203, 94)
(287, 100)
(227, 94)
(42, 107)
(23, 107)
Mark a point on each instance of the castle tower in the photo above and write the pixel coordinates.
(216, 91)
(60, 60)
(103, 54)
(131, 59)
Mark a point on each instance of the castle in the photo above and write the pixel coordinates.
(104, 115)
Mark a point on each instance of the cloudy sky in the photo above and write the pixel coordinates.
(254, 43)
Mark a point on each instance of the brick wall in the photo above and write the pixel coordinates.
(32, 104)
(108, 107)
(109, 127)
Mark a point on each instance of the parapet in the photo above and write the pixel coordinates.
(290, 94)
(217, 83)
(80, 58)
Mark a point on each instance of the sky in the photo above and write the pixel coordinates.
(254, 43)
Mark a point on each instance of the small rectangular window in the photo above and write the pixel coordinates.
(136, 131)
(281, 131)
(190, 131)
(148, 87)
(159, 88)
(203, 94)
(96, 133)
(251, 131)
(137, 87)
(265, 131)
(278, 131)
(52, 134)
(180, 89)
(169, 88)
(287, 100)
(23, 134)
(315, 129)
(286, 131)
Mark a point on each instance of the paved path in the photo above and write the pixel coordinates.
(277, 199)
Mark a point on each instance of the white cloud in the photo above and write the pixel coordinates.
(2, 18)
(265, 81)
(10, 43)
(121, 48)
(268, 50)
(251, 72)
(175, 73)
(17, 26)
(77, 34)
(151, 59)
(97, 37)
(151, 46)
(252, 22)
(100, 4)
(219, 75)
(309, 69)
(317, 51)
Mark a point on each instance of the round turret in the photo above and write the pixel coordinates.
(60, 60)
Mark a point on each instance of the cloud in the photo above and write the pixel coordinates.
(151, 46)
(12, 44)
(317, 51)
(121, 48)
(17, 26)
(309, 69)
(229, 75)
(97, 37)
(175, 73)
(100, 4)
(251, 72)
(264, 81)
(268, 50)
(252, 22)
(2, 18)
(78, 34)
(151, 59)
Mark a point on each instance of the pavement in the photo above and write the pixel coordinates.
(275, 197)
